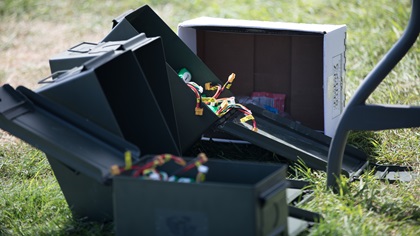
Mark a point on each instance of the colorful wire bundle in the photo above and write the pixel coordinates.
(201, 159)
(219, 89)
(196, 89)
(149, 170)
(195, 163)
(157, 160)
(223, 109)
(220, 106)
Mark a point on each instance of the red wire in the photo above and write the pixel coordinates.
(197, 95)
(254, 124)
(218, 92)
(199, 159)
(194, 89)
(247, 113)
(148, 165)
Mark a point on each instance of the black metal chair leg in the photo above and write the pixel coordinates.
(359, 116)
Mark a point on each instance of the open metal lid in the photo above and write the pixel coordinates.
(61, 134)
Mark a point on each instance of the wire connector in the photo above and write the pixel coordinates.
(128, 161)
(115, 170)
(207, 86)
(230, 80)
(208, 99)
(202, 157)
(198, 111)
(201, 175)
(247, 118)
(223, 106)
(231, 77)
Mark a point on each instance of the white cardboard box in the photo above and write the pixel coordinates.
(304, 61)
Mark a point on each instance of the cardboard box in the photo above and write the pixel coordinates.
(304, 61)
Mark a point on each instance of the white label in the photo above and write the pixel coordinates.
(335, 86)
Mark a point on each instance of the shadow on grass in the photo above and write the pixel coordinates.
(82, 227)
(367, 141)
(235, 151)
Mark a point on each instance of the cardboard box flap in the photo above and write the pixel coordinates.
(257, 25)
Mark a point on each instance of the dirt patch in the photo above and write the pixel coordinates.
(27, 46)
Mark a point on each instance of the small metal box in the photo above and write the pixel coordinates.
(237, 198)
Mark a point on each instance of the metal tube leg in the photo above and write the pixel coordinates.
(372, 80)
(335, 156)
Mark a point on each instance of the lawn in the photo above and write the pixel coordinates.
(31, 31)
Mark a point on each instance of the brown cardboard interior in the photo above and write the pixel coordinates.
(287, 62)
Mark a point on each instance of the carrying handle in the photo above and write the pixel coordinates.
(50, 79)
(267, 195)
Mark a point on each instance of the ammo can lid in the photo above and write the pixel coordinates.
(61, 134)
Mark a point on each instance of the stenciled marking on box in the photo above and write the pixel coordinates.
(176, 223)
(335, 85)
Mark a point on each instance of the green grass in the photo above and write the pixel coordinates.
(31, 202)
